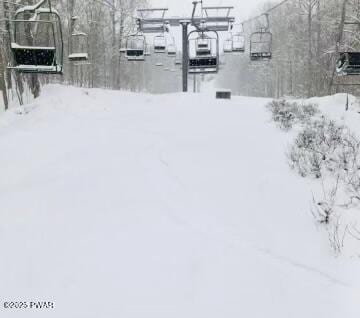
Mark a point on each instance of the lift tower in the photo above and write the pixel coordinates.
(211, 19)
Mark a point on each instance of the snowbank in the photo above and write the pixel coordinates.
(335, 108)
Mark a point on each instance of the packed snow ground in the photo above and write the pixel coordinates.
(127, 205)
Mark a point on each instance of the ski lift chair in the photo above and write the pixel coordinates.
(171, 50)
(207, 61)
(238, 43)
(261, 46)
(203, 46)
(147, 49)
(160, 44)
(228, 46)
(135, 47)
(36, 40)
(78, 47)
(348, 63)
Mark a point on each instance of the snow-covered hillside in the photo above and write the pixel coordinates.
(335, 108)
(127, 205)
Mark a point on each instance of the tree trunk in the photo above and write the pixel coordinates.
(113, 48)
(2, 81)
(309, 62)
(34, 79)
(71, 26)
(338, 42)
(6, 39)
(121, 35)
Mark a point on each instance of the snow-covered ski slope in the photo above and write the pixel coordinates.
(172, 206)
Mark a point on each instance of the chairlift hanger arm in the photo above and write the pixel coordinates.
(267, 21)
(195, 4)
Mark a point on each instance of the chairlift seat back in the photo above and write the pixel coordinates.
(260, 56)
(203, 46)
(135, 55)
(78, 57)
(203, 53)
(159, 49)
(238, 49)
(203, 62)
(203, 65)
(349, 63)
(34, 56)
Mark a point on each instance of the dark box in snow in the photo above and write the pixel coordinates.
(223, 94)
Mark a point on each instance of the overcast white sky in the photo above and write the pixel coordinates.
(244, 8)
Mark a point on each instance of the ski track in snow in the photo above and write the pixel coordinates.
(232, 241)
(131, 205)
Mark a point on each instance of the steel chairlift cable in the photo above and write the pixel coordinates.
(266, 12)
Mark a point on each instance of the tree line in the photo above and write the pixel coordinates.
(307, 37)
(106, 22)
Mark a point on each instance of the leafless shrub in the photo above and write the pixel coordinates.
(329, 152)
(337, 235)
(354, 232)
(287, 114)
(315, 148)
(324, 209)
